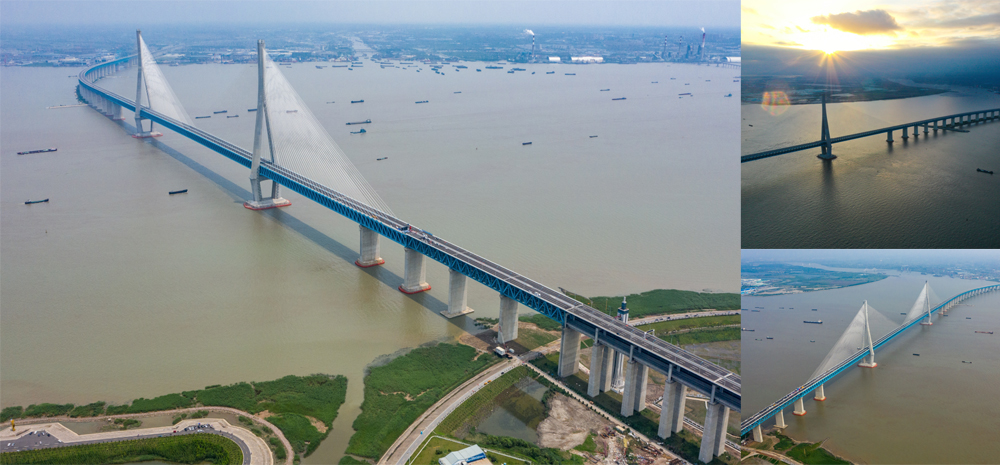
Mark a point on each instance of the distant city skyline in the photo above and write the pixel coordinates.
(712, 13)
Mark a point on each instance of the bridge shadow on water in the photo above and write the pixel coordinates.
(279, 215)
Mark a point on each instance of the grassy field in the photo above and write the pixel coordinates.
(192, 449)
(290, 399)
(435, 448)
(811, 454)
(542, 322)
(703, 336)
(689, 323)
(663, 301)
(532, 338)
(398, 392)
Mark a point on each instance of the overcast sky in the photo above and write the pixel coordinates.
(706, 13)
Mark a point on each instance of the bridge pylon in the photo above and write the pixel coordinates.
(140, 82)
(869, 360)
(263, 123)
(827, 148)
(927, 307)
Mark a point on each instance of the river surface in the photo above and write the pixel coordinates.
(918, 193)
(114, 290)
(886, 414)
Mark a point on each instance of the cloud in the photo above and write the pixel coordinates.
(767, 26)
(800, 29)
(748, 10)
(786, 43)
(861, 22)
(971, 21)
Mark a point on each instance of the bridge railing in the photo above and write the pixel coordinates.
(822, 378)
(691, 369)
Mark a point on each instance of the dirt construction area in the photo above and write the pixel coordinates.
(568, 423)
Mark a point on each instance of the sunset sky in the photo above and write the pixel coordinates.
(846, 25)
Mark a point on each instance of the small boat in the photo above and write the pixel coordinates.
(917, 355)
(422, 101)
(687, 84)
(459, 92)
(319, 67)
(182, 191)
(525, 143)
(656, 82)
(592, 137)
(510, 72)
(812, 341)
(233, 116)
(362, 131)
(550, 72)
(219, 112)
(251, 109)
(292, 111)
(968, 318)
(38, 151)
(330, 102)
(357, 101)
(605, 90)
(769, 337)
(494, 67)
(745, 329)
(383, 158)
(518, 69)
(571, 74)
(477, 70)
(202, 117)
(360, 122)
(673, 79)
(984, 332)
(619, 98)
(685, 93)
(817, 322)
(29, 202)
(902, 313)
(815, 310)
(729, 95)
(963, 361)
(983, 171)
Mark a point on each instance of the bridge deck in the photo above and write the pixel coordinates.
(788, 399)
(834, 140)
(688, 368)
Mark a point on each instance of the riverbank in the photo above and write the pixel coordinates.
(803, 452)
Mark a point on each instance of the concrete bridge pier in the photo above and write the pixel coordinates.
(820, 396)
(457, 295)
(758, 436)
(508, 319)
(713, 440)
(569, 352)
(414, 273)
(905, 135)
(936, 124)
(889, 133)
(672, 409)
(800, 408)
(634, 394)
(779, 419)
(369, 249)
(600, 369)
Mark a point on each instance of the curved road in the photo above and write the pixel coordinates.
(255, 450)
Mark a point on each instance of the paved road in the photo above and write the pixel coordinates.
(681, 316)
(407, 443)
(49, 435)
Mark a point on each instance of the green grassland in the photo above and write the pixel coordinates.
(690, 323)
(289, 399)
(703, 336)
(398, 392)
(191, 449)
(811, 454)
(663, 301)
(542, 321)
(481, 398)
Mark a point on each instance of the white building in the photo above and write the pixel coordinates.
(587, 59)
(555, 59)
(468, 456)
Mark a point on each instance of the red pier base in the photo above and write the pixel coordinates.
(379, 262)
(147, 135)
(799, 414)
(266, 207)
(413, 292)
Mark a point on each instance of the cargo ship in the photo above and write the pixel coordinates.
(525, 143)
(518, 69)
(423, 101)
(494, 67)
(29, 202)
(29, 152)
(251, 109)
(220, 112)
(817, 322)
(571, 74)
(202, 117)
(383, 158)
(182, 191)
(605, 90)
(745, 329)
(550, 72)
(357, 101)
(985, 332)
(983, 171)
(362, 131)
(360, 122)
(619, 98)
(233, 116)
(685, 93)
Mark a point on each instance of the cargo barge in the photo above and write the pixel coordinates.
(817, 322)
(29, 152)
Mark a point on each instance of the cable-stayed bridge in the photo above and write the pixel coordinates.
(291, 150)
(953, 122)
(857, 343)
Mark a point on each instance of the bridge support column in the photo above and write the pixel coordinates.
(758, 436)
(600, 370)
(800, 408)
(713, 440)
(819, 395)
(779, 419)
(889, 139)
(457, 295)
(936, 124)
(508, 319)
(906, 136)
(672, 409)
(116, 113)
(569, 352)
(634, 394)
(414, 273)
(369, 249)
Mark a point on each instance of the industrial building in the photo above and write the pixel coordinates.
(472, 455)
